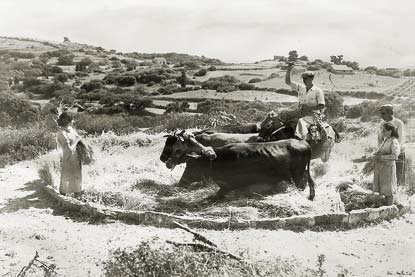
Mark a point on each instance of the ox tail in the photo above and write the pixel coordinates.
(310, 180)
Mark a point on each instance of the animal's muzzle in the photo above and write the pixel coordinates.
(170, 164)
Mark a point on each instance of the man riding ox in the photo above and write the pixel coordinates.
(241, 166)
(304, 120)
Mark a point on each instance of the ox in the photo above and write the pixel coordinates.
(220, 139)
(242, 165)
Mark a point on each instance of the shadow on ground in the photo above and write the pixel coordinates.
(37, 198)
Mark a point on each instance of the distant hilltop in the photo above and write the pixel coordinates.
(38, 45)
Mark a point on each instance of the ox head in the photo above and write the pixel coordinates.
(182, 146)
(320, 143)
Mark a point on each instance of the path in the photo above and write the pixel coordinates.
(28, 222)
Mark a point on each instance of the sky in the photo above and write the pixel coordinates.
(372, 32)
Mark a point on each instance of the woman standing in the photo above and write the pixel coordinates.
(71, 166)
(385, 180)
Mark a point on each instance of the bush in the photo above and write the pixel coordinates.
(212, 68)
(225, 83)
(254, 80)
(334, 104)
(177, 107)
(245, 112)
(245, 86)
(201, 72)
(29, 82)
(58, 53)
(169, 89)
(54, 69)
(92, 85)
(66, 60)
(125, 81)
(155, 76)
(354, 111)
(48, 90)
(110, 79)
(183, 261)
(62, 77)
(24, 143)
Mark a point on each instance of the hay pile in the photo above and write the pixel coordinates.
(355, 197)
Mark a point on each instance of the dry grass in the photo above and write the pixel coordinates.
(128, 174)
(154, 258)
(24, 143)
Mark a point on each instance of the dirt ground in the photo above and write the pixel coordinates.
(29, 223)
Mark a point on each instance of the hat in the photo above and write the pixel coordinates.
(386, 107)
(308, 74)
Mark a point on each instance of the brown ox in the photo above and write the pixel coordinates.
(237, 166)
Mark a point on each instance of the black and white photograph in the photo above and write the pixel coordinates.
(207, 138)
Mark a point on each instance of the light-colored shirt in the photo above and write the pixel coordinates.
(311, 98)
(398, 124)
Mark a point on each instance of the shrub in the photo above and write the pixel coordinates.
(334, 104)
(169, 89)
(155, 76)
(254, 80)
(354, 111)
(66, 59)
(116, 64)
(29, 82)
(245, 86)
(225, 83)
(177, 107)
(369, 110)
(148, 260)
(54, 69)
(24, 143)
(92, 85)
(191, 65)
(58, 53)
(48, 90)
(212, 68)
(201, 72)
(84, 63)
(62, 77)
(125, 81)
(32, 73)
(110, 79)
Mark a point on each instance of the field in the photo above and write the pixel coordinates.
(357, 82)
(241, 95)
(128, 174)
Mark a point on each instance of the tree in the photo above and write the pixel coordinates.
(371, 68)
(318, 61)
(201, 72)
(183, 79)
(292, 56)
(44, 58)
(303, 58)
(83, 64)
(125, 81)
(350, 64)
(66, 59)
(336, 59)
(92, 85)
(61, 77)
